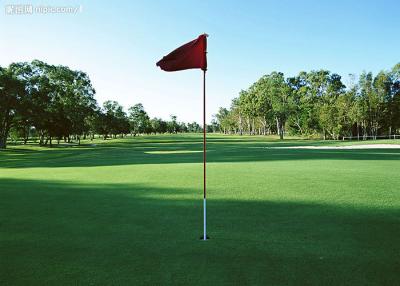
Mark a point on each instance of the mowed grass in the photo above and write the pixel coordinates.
(129, 212)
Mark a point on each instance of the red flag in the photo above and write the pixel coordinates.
(189, 56)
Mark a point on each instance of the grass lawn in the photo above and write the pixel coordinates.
(129, 212)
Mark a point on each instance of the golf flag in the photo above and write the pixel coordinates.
(191, 55)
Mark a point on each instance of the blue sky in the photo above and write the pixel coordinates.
(118, 43)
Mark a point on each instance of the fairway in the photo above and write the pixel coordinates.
(129, 212)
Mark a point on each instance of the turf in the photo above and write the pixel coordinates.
(129, 212)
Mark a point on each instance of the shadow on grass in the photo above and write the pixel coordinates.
(179, 150)
(127, 234)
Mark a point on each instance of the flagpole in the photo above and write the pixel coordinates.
(204, 157)
(189, 56)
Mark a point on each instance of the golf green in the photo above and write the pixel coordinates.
(129, 212)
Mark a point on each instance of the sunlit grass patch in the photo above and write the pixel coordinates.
(174, 151)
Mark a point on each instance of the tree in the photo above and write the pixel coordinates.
(182, 127)
(279, 95)
(215, 127)
(40, 97)
(57, 100)
(246, 107)
(300, 119)
(12, 92)
(374, 93)
(115, 119)
(395, 99)
(172, 125)
(262, 104)
(74, 101)
(223, 120)
(329, 117)
(381, 112)
(158, 125)
(194, 127)
(139, 120)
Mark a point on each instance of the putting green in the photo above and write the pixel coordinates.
(129, 212)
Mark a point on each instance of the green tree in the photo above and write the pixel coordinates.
(395, 100)
(280, 96)
(115, 119)
(223, 120)
(139, 120)
(158, 125)
(172, 125)
(301, 119)
(12, 90)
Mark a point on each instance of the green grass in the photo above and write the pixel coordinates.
(129, 212)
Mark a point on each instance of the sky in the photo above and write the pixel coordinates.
(118, 43)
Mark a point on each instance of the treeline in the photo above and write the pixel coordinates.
(56, 103)
(317, 103)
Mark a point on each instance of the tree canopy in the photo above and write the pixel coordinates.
(57, 103)
(317, 103)
(51, 102)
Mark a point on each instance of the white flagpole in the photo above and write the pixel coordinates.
(204, 156)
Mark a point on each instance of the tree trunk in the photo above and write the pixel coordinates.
(279, 127)
(3, 141)
(41, 140)
(3, 135)
(299, 126)
(248, 125)
(26, 134)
